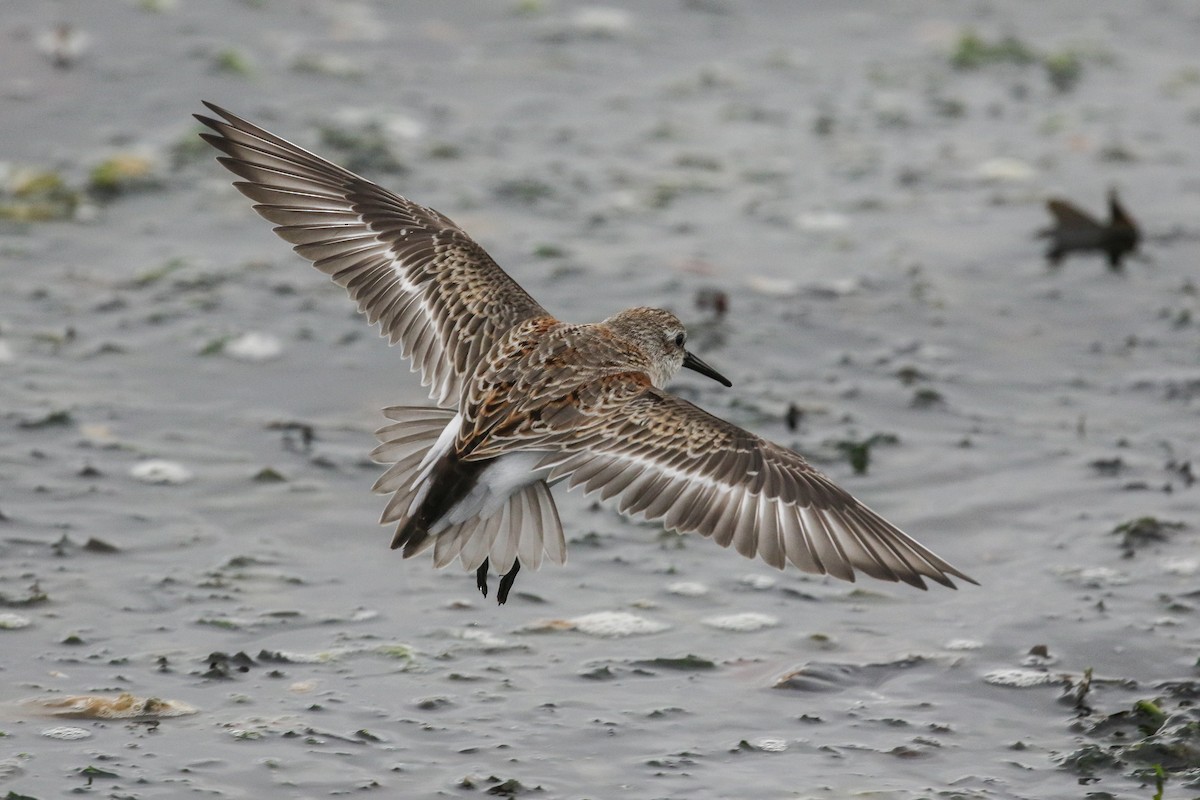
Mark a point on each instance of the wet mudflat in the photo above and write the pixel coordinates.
(187, 407)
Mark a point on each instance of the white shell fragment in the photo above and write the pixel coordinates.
(742, 623)
(1093, 577)
(66, 734)
(759, 582)
(253, 346)
(161, 471)
(822, 221)
(1005, 170)
(770, 745)
(13, 622)
(1021, 678)
(602, 21)
(616, 624)
(963, 644)
(122, 706)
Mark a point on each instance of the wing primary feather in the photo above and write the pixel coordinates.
(796, 543)
(770, 549)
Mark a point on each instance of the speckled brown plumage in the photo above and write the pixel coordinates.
(529, 400)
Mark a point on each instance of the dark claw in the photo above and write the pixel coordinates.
(506, 582)
(481, 578)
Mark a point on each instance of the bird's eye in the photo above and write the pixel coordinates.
(679, 339)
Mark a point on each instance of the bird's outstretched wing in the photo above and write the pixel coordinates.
(431, 288)
(667, 459)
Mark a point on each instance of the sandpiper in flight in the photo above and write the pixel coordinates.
(526, 400)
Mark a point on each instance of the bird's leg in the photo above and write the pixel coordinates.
(506, 582)
(481, 577)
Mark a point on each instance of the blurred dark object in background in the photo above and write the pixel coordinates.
(714, 301)
(1076, 230)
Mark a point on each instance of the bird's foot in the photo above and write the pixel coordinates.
(506, 582)
(481, 578)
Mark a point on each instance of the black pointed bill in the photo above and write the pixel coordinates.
(691, 362)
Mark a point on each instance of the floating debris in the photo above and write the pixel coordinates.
(963, 644)
(297, 436)
(757, 582)
(909, 375)
(773, 287)
(764, 745)
(222, 665)
(1161, 733)
(13, 622)
(688, 663)
(972, 51)
(688, 589)
(608, 624)
(154, 275)
(1108, 466)
(925, 398)
(510, 788)
(1038, 656)
(160, 471)
(222, 662)
(269, 475)
(1181, 468)
(712, 300)
(52, 419)
(818, 676)
(370, 142)
(253, 346)
(1093, 577)
(742, 623)
(1023, 678)
(527, 190)
(34, 195)
(328, 65)
(1182, 566)
(34, 596)
(485, 641)
(230, 61)
(833, 289)
(822, 221)
(67, 734)
(63, 45)
(1063, 69)
(123, 706)
(858, 452)
(1075, 230)
(94, 545)
(1138, 533)
(602, 22)
(157, 6)
(1005, 170)
(122, 174)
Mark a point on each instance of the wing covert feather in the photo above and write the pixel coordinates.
(667, 459)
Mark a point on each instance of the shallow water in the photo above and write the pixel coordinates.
(607, 157)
